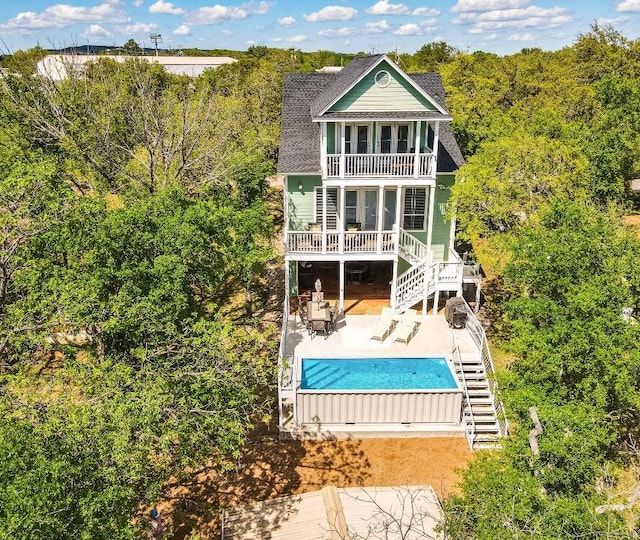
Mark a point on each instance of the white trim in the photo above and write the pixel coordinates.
(379, 75)
(400, 72)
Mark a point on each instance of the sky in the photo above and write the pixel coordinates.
(371, 26)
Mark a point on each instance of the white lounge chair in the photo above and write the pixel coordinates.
(407, 327)
(383, 325)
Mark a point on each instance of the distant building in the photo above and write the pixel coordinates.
(55, 66)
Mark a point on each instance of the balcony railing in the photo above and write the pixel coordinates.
(341, 242)
(380, 165)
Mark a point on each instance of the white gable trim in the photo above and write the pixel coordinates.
(400, 72)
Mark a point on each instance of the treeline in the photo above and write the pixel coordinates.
(136, 228)
(135, 217)
(552, 141)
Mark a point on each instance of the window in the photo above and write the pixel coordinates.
(385, 139)
(414, 206)
(351, 207)
(389, 209)
(363, 139)
(332, 207)
(347, 139)
(403, 139)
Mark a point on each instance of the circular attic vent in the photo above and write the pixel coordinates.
(382, 79)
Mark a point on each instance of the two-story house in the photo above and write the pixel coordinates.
(368, 159)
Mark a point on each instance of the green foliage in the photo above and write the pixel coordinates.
(506, 182)
(131, 48)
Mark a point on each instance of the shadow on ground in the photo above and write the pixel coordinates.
(268, 468)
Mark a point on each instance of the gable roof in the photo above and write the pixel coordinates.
(305, 95)
(353, 73)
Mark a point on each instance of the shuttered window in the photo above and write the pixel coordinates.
(414, 209)
(332, 208)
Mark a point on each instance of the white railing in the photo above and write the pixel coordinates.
(286, 368)
(380, 165)
(410, 246)
(467, 413)
(410, 287)
(341, 242)
(475, 330)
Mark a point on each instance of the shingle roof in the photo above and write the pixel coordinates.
(344, 79)
(307, 92)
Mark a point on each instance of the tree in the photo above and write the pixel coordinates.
(131, 48)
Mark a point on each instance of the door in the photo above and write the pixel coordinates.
(370, 210)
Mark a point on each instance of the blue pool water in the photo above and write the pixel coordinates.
(376, 374)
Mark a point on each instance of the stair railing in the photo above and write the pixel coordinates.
(467, 412)
(479, 337)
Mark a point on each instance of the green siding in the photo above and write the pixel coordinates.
(399, 95)
(300, 210)
(441, 239)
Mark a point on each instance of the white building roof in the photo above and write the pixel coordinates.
(55, 66)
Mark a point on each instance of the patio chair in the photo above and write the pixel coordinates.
(384, 324)
(407, 327)
(334, 315)
(318, 325)
(304, 318)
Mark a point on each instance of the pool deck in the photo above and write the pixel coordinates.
(352, 339)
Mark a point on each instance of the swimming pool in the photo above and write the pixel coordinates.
(376, 374)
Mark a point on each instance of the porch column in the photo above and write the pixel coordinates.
(285, 202)
(432, 197)
(380, 218)
(323, 148)
(287, 290)
(434, 161)
(342, 147)
(324, 218)
(340, 220)
(416, 153)
(394, 285)
(341, 286)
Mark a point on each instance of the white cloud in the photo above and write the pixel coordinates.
(628, 5)
(511, 14)
(332, 13)
(137, 3)
(276, 40)
(139, 28)
(287, 22)
(96, 31)
(383, 7)
(182, 30)
(227, 33)
(376, 28)
(166, 8)
(296, 39)
(338, 32)
(425, 12)
(522, 37)
(216, 14)
(465, 6)
(618, 20)
(429, 25)
(529, 17)
(63, 15)
(408, 30)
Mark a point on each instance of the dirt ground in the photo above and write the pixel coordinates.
(271, 468)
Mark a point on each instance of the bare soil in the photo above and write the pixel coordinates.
(272, 468)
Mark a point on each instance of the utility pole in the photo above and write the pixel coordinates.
(156, 38)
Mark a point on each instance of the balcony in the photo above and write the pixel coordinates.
(341, 242)
(381, 165)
